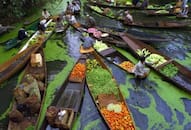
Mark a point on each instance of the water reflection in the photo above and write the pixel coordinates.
(72, 39)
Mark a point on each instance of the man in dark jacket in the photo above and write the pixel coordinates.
(22, 34)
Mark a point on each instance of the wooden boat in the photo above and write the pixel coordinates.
(155, 24)
(14, 41)
(16, 63)
(158, 13)
(117, 58)
(103, 100)
(106, 4)
(182, 79)
(137, 35)
(69, 98)
(28, 95)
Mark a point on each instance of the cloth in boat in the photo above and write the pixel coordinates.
(45, 14)
(32, 86)
(140, 69)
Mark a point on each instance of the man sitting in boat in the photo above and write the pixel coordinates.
(69, 8)
(184, 12)
(59, 25)
(140, 70)
(178, 7)
(90, 21)
(22, 34)
(75, 8)
(41, 26)
(128, 18)
(88, 41)
(144, 4)
(45, 14)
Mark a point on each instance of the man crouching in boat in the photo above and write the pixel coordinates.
(128, 18)
(140, 70)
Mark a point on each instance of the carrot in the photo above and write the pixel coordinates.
(78, 72)
(118, 121)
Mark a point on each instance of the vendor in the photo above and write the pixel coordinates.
(45, 14)
(140, 70)
(22, 34)
(128, 18)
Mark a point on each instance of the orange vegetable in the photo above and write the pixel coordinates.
(118, 121)
(127, 65)
(78, 72)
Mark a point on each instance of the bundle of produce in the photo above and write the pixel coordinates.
(101, 82)
(155, 60)
(99, 46)
(127, 65)
(118, 117)
(169, 70)
(96, 8)
(90, 64)
(78, 73)
(144, 52)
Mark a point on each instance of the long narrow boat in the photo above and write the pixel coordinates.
(28, 95)
(68, 99)
(183, 77)
(158, 13)
(107, 95)
(122, 6)
(157, 24)
(136, 35)
(10, 67)
(14, 41)
(115, 57)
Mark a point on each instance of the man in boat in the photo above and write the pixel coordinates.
(135, 2)
(184, 12)
(90, 21)
(88, 41)
(69, 8)
(41, 26)
(140, 70)
(75, 8)
(178, 7)
(45, 14)
(59, 25)
(22, 34)
(128, 18)
(144, 4)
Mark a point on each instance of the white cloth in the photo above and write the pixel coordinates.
(72, 20)
(45, 14)
(140, 69)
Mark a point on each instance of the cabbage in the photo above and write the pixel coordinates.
(99, 46)
(114, 107)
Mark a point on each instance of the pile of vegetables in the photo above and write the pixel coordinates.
(162, 12)
(97, 9)
(99, 46)
(91, 64)
(155, 60)
(144, 52)
(78, 73)
(100, 82)
(169, 70)
(120, 120)
(127, 65)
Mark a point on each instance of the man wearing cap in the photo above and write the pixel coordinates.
(90, 21)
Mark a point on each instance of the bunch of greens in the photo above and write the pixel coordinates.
(96, 8)
(169, 70)
(100, 82)
(90, 64)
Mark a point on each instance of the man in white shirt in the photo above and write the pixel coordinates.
(45, 14)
